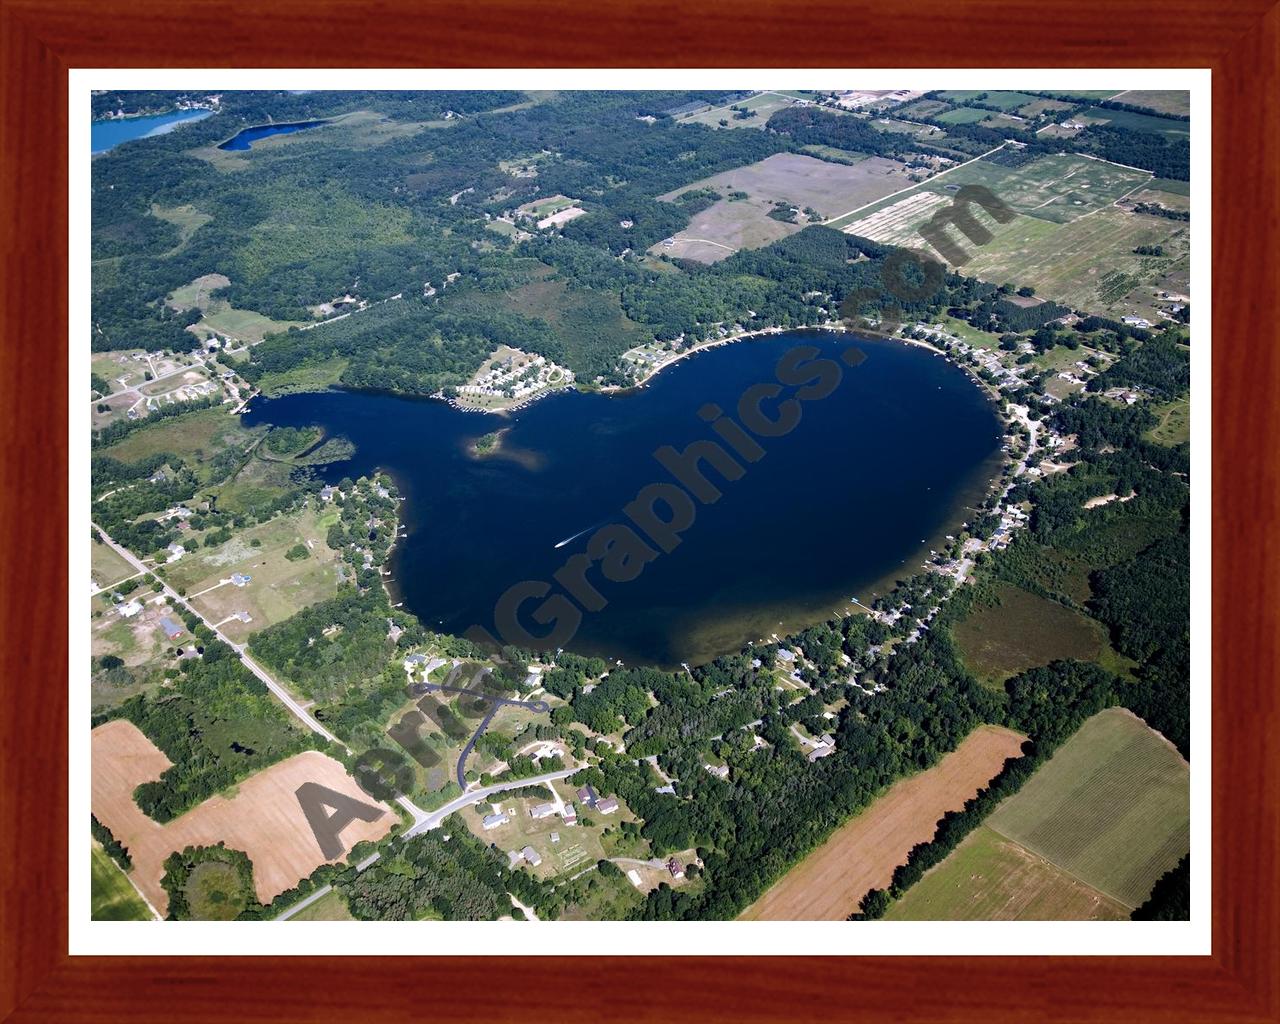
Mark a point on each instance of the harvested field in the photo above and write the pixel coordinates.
(991, 878)
(900, 223)
(805, 181)
(1112, 807)
(263, 818)
(725, 227)
(863, 853)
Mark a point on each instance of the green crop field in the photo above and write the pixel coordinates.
(1054, 189)
(112, 897)
(990, 878)
(1021, 632)
(1090, 263)
(1112, 807)
(963, 115)
(1139, 122)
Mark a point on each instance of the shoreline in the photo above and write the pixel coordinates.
(792, 620)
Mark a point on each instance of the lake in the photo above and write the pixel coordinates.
(109, 134)
(245, 138)
(854, 496)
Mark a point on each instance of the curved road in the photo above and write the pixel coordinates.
(281, 694)
(434, 820)
(422, 820)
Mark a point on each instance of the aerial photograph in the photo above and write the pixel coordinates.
(725, 505)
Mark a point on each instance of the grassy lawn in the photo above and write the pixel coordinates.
(278, 587)
(107, 567)
(112, 896)
(1112, 807)
(990, 878)
(329, 907)
(1175, 422)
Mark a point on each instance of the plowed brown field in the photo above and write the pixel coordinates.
(263, 818)
(862, 853)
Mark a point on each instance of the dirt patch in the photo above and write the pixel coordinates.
(263, 818)
(862, 854)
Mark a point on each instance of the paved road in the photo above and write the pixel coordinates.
(434, 820)
(541, 706)
(280, 692)
(422, 820)
(476, 796)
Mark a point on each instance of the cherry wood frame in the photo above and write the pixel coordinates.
(41, 39)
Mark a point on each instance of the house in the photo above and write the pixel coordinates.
(720, 771)
(176, 551)
(587, 795)
(542, 810)
(1136, 321)
(494, 820)
(569, 814)
(676, 868)
(786, 655)
(531, 855)
(128, 611)
(607, 805)
(240, 578)
(327, 493)
(413, 661)
(171, 629)
(824, 749)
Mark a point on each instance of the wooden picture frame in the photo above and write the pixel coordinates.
(41, 39)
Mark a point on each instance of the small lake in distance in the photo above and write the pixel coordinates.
(110, 133)
(872, 477)
(247, 137)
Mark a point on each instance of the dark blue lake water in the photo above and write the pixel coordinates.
(871, 477)
(109, 134)
(246, 138)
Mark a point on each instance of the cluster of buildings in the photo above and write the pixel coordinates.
(517, 376)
